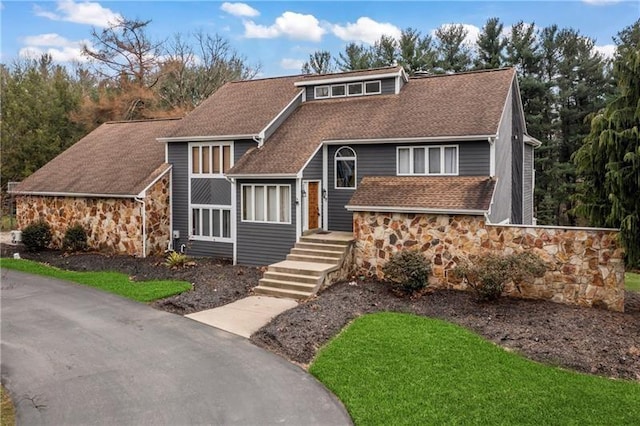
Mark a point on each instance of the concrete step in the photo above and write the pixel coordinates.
(287, 285)
(314, 252)
(295, 278)
(319, 246)
(342, 239)
(301, 268)
(313, 259)
(280, 292)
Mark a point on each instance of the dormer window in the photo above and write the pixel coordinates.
(354, 89)
(338, 90)
(372, 87)
(321, 92)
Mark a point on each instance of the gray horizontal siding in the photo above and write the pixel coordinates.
(178, 157)
(264, 243)
(210, 249)
(314, 168)
(388, 86)
(210, 191)
(241, 147)
(380, 160)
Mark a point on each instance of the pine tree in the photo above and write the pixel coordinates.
(355, 57)
(319, 62)
(453, 54)
(490, 45)
(416, 53)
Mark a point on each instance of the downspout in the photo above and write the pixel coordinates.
(144, 224)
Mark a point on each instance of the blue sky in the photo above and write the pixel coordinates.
(281, 35)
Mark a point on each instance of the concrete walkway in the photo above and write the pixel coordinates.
(245, 316)
(73, 355)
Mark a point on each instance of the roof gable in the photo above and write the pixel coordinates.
(118, 159)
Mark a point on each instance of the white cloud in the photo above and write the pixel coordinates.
(63, 54)
(293, 25)
(291, 64)
(365, 30)
(472, 33)
(608, 50)
(601, 2)
(60, 48)
(90, 13)
(239, 9)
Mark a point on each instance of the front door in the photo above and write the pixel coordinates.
(313, 205)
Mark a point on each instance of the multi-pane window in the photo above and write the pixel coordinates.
(372, 87)
(431, 160)
(210, 222)
(345, 165)
(210, 159)
(266, 203)
(349, 89)
(354, 89)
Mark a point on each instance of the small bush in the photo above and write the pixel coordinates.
(407, 271)
(36, 236)
(176, 260)
(75, 239)
(489, 275)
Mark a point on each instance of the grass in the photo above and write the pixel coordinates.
(112, 282)
(632, 281)
(7, 411)
(390, 368)
(7, 223)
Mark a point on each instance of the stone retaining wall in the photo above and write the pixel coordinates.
(113, 225)
(585, 265)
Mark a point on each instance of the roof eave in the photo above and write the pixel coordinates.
(390, 209)
(72, 194)
(263, 176)
(530, 140)
(461, 138)
(348, 79)
(208, 138)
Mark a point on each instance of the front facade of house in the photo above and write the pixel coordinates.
(262, 162)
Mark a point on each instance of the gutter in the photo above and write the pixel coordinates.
(408, 140)
(144, 225)
(72, 194)
(207, 138)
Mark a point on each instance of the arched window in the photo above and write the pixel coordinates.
(345, 165)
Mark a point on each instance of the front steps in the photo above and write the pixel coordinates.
(304, 271)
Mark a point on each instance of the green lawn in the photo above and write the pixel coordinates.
(112, 282)
(392, 369)
(632, 281)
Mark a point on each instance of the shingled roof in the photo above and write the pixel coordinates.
(470, 194)
(118, 159)
(238, 108)
(456, 105)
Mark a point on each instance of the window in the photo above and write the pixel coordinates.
(345, 165)
(338, 90)
(354, 89)
(209, 223)
(266, 203)
(208, 159)
(432, 160)
(321, 92)
(372, 87)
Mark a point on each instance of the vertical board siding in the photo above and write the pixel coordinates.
(380, 160)
(501, 207)
(527, 213)
(517, 135)
(264, 243)
(211, 191)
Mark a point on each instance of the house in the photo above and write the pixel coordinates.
(262, 162)
(114, 182)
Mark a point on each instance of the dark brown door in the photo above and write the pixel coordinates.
(314, 208)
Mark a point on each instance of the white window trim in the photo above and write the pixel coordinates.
(221, 174)
(364, 87)
(253, 203)
(359, 83)
(426, 159)
(355, 169)
(344, 86)
(220, 239)
(315, 92)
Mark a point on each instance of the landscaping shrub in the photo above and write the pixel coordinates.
(407, 271)
(176, 260)
(36, 236)
(75, 239)
(489, 274)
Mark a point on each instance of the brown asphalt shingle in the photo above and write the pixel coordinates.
(424, 192)
(358, 73)
(465, 104)
(115, 159)
(239, 108)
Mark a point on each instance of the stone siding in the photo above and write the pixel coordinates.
(585, 266)
(113, 225)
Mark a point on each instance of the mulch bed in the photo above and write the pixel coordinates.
(583, 339)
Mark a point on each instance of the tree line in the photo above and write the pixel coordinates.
(580, 104)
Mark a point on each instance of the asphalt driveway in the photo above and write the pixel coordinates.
(73, 355)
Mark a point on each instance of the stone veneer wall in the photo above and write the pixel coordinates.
(113, 224)
(585, 265)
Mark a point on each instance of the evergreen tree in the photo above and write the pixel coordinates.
(355, 57)
(385, 52)
(453, 54)
(490, 45)
(319, 63)
(609, 160)
(416, 53)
